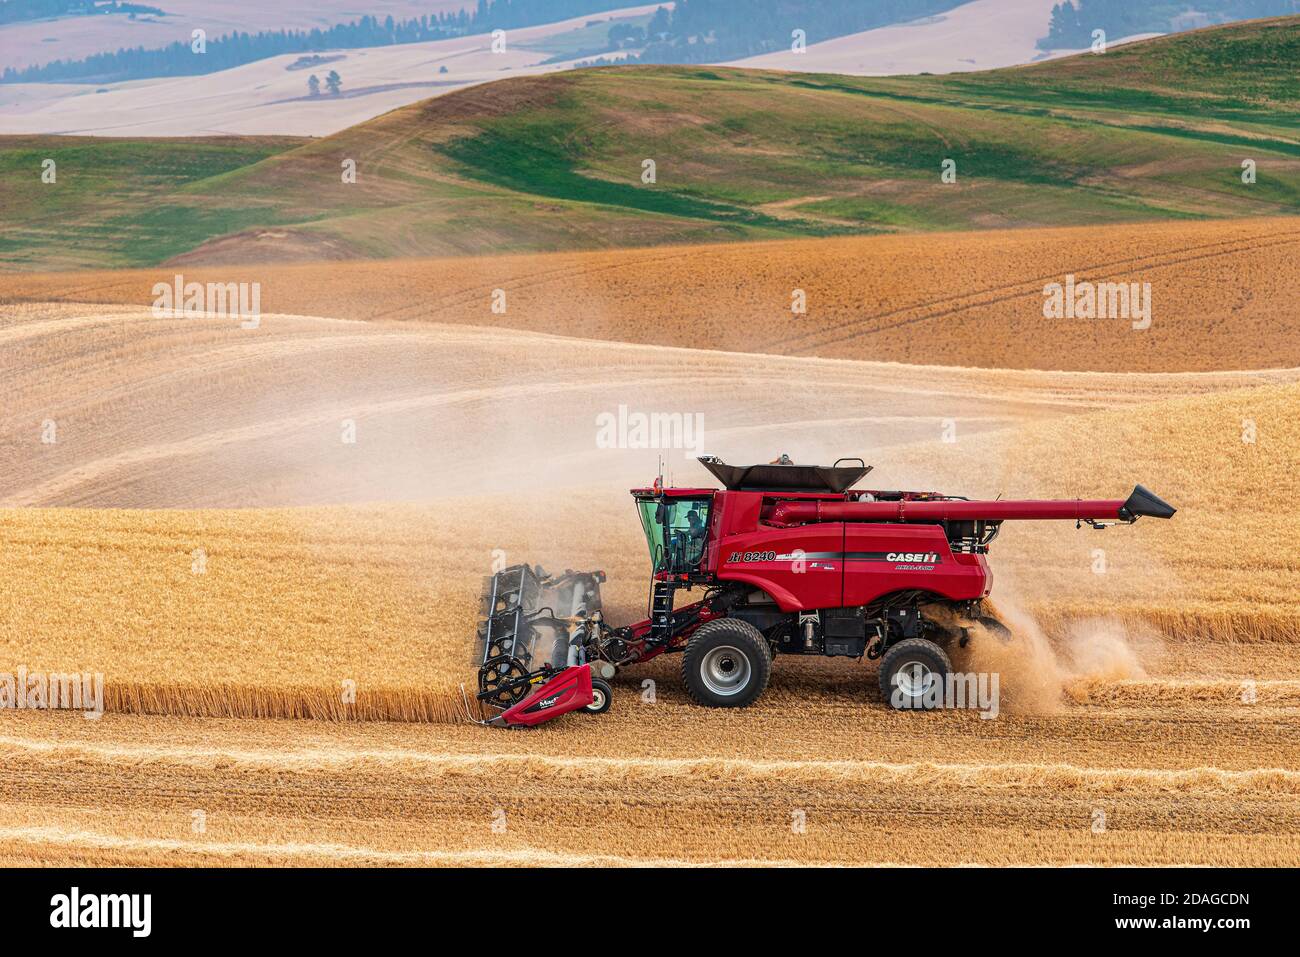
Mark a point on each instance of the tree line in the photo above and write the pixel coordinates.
(1072, 23)
(236, 49)
(17, 11)
(704, 31)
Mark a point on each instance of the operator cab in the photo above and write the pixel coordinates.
(676, 520)
(676, 530)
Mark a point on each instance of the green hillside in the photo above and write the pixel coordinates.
(118, 202)
(1152, 130)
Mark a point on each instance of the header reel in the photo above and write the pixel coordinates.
(535, 644)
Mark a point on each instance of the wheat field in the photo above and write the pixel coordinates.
(267, 612)
(200, 533)
(1221, 295)
(1175, 781)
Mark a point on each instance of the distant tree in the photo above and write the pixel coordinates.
(313, 85)
(334, 83)
(659, 23)
(625, 34)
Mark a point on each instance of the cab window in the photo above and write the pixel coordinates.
(676, 532)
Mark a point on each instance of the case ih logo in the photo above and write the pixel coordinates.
(910, 558)
(901, 558)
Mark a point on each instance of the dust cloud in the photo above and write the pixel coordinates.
(1038, 671)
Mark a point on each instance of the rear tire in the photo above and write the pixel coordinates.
(726, 664)
(602, 696)
(908, 671)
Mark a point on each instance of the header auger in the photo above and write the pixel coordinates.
(791, 560)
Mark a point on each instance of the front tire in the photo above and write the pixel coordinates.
(602, 695)
(726, 664)
(908, 674)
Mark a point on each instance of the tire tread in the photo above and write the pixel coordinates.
(737, 631)
(898, 650)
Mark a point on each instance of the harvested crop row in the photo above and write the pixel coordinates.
(431, 796)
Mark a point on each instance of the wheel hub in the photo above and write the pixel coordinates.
(725, 670)
(914, 679)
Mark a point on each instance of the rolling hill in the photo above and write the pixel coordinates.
(978, 35)
(1222, 295)
(1151, 130)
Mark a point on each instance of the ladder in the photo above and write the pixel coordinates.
(661, 613)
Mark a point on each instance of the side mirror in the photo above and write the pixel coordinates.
(660, 512)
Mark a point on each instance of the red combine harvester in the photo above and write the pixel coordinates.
(791, 560)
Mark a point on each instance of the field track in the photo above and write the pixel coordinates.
(1211, 782)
